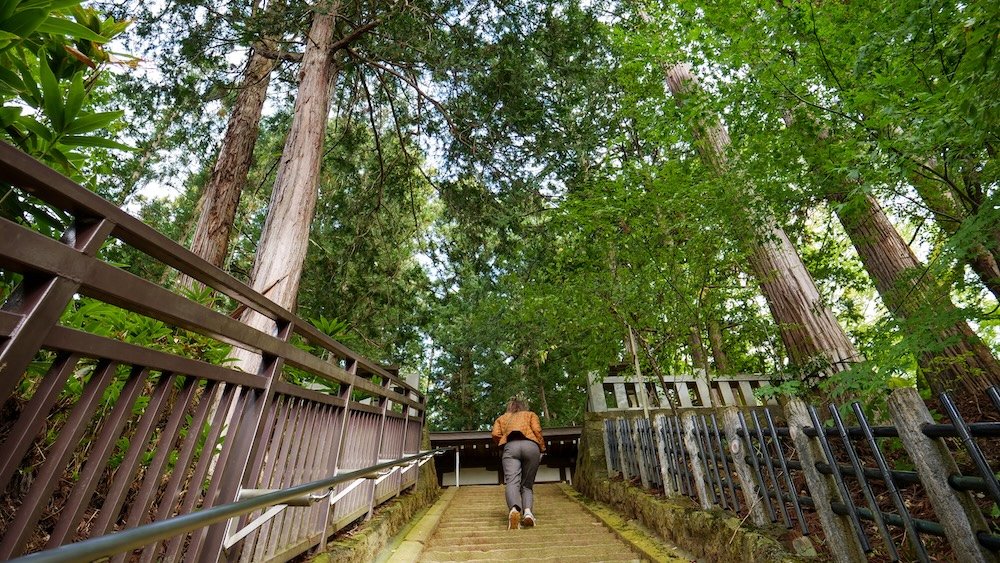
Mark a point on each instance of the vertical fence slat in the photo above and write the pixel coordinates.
(845, 494)
(711, 467)
(866, 488)
(17, 534)
(836, 529)
(739, 451)
(227, 396)
(666, 472)
(681, 450)
(184, 458)
(734, 499)
(97, 460)
(769, 467)
(978, 459)
(956, 510)
(34, 415)
(890, 483)
(139, 508)
(245, 402)
(637, 447)
(695, 455)
(784, 470)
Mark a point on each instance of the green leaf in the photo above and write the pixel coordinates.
(74, 99)
(91, 121)
(59, 158)
(59, 26)
(32, 125)
(85, 141)
(8, 8)
(11, 79)
(32, 4)
(9, 115)
(32, 95)
(63, 4)
(7, 38)
(51, 95)
(24, 23)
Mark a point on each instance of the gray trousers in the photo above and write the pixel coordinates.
(520, 463)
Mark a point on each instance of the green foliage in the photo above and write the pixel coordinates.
(51, 54)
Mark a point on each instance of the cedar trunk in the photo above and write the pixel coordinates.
(699, 358)
(229, 176)
(284, 239)
(949, 215)
(908, 289)
(808, 327)
(718, 349)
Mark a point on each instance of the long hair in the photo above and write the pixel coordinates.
(517, 404)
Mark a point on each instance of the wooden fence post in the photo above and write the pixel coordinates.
(622, 454)
(955, 510)
(640, 457)
(737, 449)
(696, 459)
(595, 389)
(844, 544)
(670, 487)
(607, 431)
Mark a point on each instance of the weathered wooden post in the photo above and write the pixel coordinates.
(844, 544)
(696, 456)
(595, 390)
(670, 487)
(622, 449)
(640, 452)
(606, 437)
(751, 493)
(640, 458)
(955, 509)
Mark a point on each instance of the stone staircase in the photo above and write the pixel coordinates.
(470, 524)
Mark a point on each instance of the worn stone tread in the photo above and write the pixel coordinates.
(474, 528)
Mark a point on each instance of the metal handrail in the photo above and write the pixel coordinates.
(127, 540)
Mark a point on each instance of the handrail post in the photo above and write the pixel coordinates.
(41, 300)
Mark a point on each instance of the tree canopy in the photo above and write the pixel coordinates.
(513, 195)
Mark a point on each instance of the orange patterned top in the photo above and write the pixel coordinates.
(525, 422)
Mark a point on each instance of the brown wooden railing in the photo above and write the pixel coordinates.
(100, 435)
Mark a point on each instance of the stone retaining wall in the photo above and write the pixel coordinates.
(711, 534)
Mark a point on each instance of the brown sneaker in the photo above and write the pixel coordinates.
(529, 518)
(513, 519)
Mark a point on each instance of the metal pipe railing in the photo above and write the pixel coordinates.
(127, 540)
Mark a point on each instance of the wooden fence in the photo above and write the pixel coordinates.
(618, 392)
(770, 464)
(101, 435)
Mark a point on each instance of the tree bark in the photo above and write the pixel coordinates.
(808, 327)
(284, 239)
(949, 215)
(908, 290)
(218, 203)
(718, 349)
(699, 359)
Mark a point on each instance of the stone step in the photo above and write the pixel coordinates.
(500, 521)
(500, 530)
(528, 553)
(506, 540)
(472, 527)
(558, 559)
